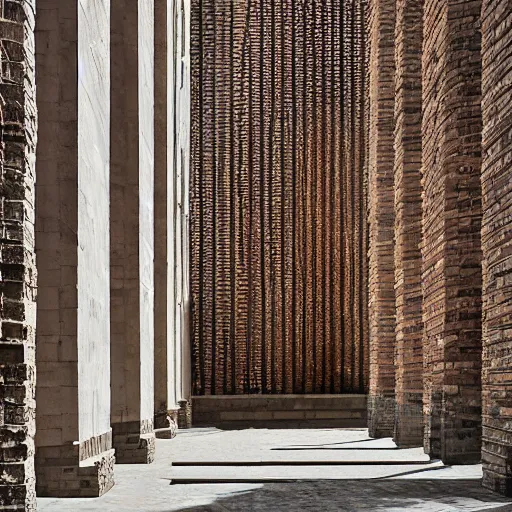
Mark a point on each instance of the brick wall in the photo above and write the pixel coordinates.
(409, 327)
(17, 262)
(497, 244)
(451, 133)
(381, 401)
(278, 197)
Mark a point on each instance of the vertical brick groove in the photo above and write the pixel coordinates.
(497, 244)
(451, 132)
(381, 87)
(17, 256)
(409, 327)
(278, 196)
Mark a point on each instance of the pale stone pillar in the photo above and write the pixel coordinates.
(451, 247)
(497, 245)
(74, 455)
(17, 258)
(172, 128)
(381, 397)
(132, 229)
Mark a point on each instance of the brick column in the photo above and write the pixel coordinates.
(451, 225)
(409, 327)
(381, 399)
(132, 235)
(497, 244)
(74, 440)
(17, 257)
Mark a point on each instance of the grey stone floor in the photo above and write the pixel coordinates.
(288, 470)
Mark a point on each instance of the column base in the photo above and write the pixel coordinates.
(17, 469)
(408, 431)
(166, 424)
(381, 416)
(134, 442)
(496, 482)
(185, 414)
(64, 478)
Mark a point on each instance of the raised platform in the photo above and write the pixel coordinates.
(279, 411)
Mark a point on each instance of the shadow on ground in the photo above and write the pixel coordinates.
(359, 495)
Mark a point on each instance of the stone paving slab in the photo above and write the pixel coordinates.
(147, 488)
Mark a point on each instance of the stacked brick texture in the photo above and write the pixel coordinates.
(451, 133)
(17, 262)
(278, 197)
(381, 87)
(407, 181)
(497, 244)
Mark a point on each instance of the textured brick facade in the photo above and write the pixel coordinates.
(451, 134)
(17, 256)
(497, 244)
(408, 294)
(381, 87)
(278, 197)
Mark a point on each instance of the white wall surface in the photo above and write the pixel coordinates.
(93, 315)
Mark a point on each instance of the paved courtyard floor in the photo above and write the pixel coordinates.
(210, 470)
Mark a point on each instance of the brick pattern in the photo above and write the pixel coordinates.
(451, 133)
(408, 294)
(278, 411)
(59, 474)
(134, 442)
(278, 197)
(381, 89)
(497, 244)
(17, 256)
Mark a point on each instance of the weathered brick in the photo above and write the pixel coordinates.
(381, 217)
(451, 144)
(497, 244)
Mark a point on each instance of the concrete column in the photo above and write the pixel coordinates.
(451, 132)
(497, 244)
(172, 127)
(132, 229)
(381, 399)
(409, 327)
(74, 440)
(17, 256)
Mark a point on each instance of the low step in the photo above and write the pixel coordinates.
(280, 411)
(238, 474)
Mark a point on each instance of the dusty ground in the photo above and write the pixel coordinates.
(288, 470)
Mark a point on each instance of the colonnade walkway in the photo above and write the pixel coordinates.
(207, 469)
